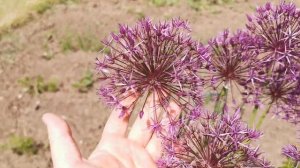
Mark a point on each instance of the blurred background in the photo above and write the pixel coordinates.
(47, 55)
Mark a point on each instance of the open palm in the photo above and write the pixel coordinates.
(140, 148)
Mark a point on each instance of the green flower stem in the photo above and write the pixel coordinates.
(263, 116)
(242, 108)
(253, 115)
(221, 101)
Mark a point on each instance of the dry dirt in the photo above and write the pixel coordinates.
(21, 55)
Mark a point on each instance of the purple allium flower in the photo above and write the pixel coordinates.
(277, 29)
(279, 90)
(230, 63)
(212, 141)
(277, 40)
(291, 152)
(156, 61)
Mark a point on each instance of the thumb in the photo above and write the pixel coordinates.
(64, 150)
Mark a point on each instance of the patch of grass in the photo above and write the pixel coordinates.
(37, 85)
(215, 12)
(138, 13)
(160, 3)
(22, 145)
(16, 13)
(20, 21)
(87, 42)
(85, 83)
(252, 7)
(45, 5)
(199, 5)
(66, 43)
(75, 42)
(10, 45)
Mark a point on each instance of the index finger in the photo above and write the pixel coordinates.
(64, 150)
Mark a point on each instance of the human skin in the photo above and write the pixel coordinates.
(116, 149)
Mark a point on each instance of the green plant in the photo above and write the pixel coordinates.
(85, 83)
(138, 13)
(11, 45)
(160, 3)
(87, 42)
(16, 13)
(197, 4)
(66, 43)
(45, 5)
(23, 145)
(202, 4)
(19, 21)
(288, 163)
(75, 42)
(37, 85)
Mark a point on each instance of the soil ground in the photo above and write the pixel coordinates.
(21, 55)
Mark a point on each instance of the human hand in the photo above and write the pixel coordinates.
(141, 148)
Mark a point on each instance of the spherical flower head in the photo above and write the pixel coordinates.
(277, 33)
(231, 63)
(155, 61)
(277, 29)
(212, 141)
(279, 91)
(291, 152)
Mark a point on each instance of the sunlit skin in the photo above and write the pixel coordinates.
(115, 149)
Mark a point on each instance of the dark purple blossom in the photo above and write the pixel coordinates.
(212, 141)
(277, 31)
(155, 61)
(230, 63)
(279, 91)
(277, 39)
(291, 152)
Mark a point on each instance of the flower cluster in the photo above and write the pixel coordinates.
(277, 39)
(280, 92)
(291, 152)
(277, 29)
(230, 62)
(156, 61)
(160, 63)
(212, 141)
